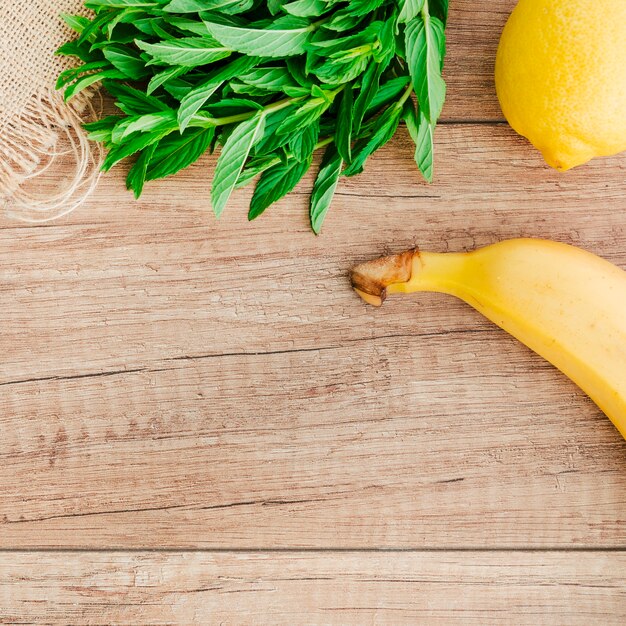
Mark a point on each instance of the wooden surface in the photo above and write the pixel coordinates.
(359, 588)
(170, 382)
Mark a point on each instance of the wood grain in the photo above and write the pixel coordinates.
(382, 441)
(160, 332)
(163, 278)
(472, 36)
(172, 381)
(300, 588)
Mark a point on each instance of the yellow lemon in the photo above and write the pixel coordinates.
(561, 77)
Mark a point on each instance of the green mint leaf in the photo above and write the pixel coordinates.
(421, 131)
(77, 23)
(71, 74)
(302, 145)
(165, 76)
(409, 9)
(188, 51)
(345, 121)
(90, 31)
(274, 6)
(150, 122)
(188, 25)
(439, 8)
(256, 166)
(121, 4)
(130, 147)
(198, 6)
(306, 8)
(363, 7)
(126, 61)
(424, 37)
(90, 79)
(137, 174)
(275, 183)
(273, 79)
(265, 79)
(385, 127)
(195, 99)
(369, 88)
(324, 187)
(133, 101)
(387, 92)
(272, 42)
(308, 113)
(125, 16)
(102, 130)
(271, 140)
(81, 51)
(176, 151)
(343, 21)
(233, 158)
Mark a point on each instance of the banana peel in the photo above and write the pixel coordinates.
(566, 304)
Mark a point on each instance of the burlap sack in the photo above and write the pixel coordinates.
(39, 133)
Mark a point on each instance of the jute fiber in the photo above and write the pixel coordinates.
(41, 137)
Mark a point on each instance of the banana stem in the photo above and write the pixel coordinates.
(409, 272)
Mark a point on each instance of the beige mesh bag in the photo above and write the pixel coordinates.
(41, 138)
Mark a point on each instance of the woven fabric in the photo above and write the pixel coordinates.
(37, 129)
(30, 32)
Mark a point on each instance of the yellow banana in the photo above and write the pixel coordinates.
(566, 304)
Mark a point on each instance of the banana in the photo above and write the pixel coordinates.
(566, 304)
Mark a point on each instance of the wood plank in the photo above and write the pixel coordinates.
(298, 588)
(164, 279)
(472, 35)
(171, 380)
(168, 379)
(432, 440)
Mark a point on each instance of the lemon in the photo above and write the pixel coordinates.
(561, 77)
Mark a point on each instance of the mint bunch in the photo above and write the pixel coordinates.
(270, 82)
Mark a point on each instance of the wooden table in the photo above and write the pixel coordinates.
(201, 423)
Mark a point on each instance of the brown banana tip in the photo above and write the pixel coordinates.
(371, 279)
